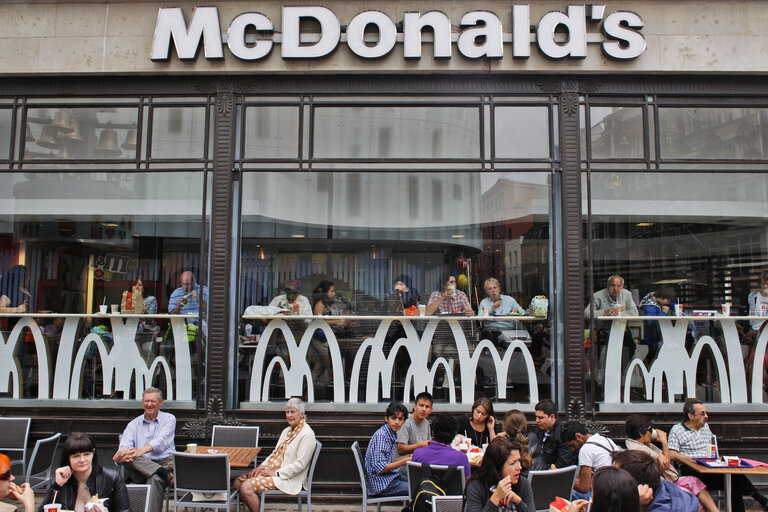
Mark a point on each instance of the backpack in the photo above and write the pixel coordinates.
(430, 485)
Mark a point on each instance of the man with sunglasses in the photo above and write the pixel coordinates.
(26, 497)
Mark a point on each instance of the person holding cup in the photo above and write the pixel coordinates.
(10, 490)
(81, 478)
(450, 300)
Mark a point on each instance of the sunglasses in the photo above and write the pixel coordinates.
(6, 475)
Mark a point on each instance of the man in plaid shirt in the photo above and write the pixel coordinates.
(450, 300)
(381, 462)
(690, 439)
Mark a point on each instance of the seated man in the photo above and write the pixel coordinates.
(147, 446)
(293, 300)
(690, 439)
(667, 497)
(415, 433)
(450, 300)
(595, 451)
(381, 461)
(439, 451)
(496, 304)
(549, 449)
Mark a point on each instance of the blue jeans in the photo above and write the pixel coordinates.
(397, 487)
(576, 495)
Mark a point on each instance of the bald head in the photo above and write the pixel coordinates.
(187, 281)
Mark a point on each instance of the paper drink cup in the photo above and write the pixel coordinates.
(103, 309)
(52, 507)
(115, 309)
(192, 447)
(732, 461)
(678, 310)
(726, 309)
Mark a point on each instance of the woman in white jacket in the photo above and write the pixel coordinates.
(287, 466)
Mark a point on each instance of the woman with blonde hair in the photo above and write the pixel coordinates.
(515, 426)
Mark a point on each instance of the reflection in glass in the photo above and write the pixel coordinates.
(396, 132)
(178, 132)
(616, 132)
(5, 133)
(271, 132)
(729, 133)
(522, 132)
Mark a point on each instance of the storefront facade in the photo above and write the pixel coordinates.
(545, 145)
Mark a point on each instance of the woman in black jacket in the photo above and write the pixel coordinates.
(81, 478)
(497, 485)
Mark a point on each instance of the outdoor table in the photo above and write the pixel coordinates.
(239, 456)
(726, 472)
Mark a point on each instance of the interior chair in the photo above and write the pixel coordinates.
(13, 442)
(302, 493)
(201, 480)
(372, 500)
(451, 478)
(138, 497)
(548, 484)
(447, 503)
(40, 467)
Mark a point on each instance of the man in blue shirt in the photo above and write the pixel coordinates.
(147, 446)
(381, 461)
(185, 300)
(496, 304)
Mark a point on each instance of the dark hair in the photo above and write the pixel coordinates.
(396, 407)
(614, 490)
(78, 443)
(570, 429)
(483, 402)
(424, 395)
(644, 468)
(637, 425)
(665, 292)
(496, 454)
(688, 407)
(515, 424)
(444, 427)
(321, 291)
(546, 406)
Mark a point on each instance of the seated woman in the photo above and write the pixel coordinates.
(479, 426)
(613, 490)
(640, 433)
(287, 466)
(8, 489)
(515, 426)
(497, 484)
(81, 478)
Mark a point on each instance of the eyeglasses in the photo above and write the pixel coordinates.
(6, 475)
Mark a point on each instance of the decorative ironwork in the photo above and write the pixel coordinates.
(214, 415)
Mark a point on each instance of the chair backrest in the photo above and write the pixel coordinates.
(357, 452)
(225, 435)
(452, 481)
(548, 484)
(311, 474)
(13, 442)
(201, 472)
(447, 503)
(40, 464)
(138, 496)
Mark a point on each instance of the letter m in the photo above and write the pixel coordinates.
(171, 24)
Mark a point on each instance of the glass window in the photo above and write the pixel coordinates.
(522, 132)
(178, 132)
(617, 132)
(6, 115)
(364, 231)
(271, 132)
(397, 132)
(716, 133)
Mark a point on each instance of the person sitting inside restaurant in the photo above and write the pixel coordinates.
(438, 450)
(287, 466)
(497, 484)
(81, 478)
(292, 301)
(23, 494)
(185, 300)
(147, 446)
(667, 497)
(655, 303)
(449, 301)
(497, 304)
(758, 299)
(640, 437)
(691, 439)
(402, 296)
(382, 464)
(480, 426)
(595, 451)
(415, 432)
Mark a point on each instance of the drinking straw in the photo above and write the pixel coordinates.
(55, 493)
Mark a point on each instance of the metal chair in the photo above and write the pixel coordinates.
(40, 465)
(448, 504)
(548, 484)
(366, 499)
(302, 493)
(451, 477)
(138, 496)
(225, 435)
(205, 475)
(14, 440)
